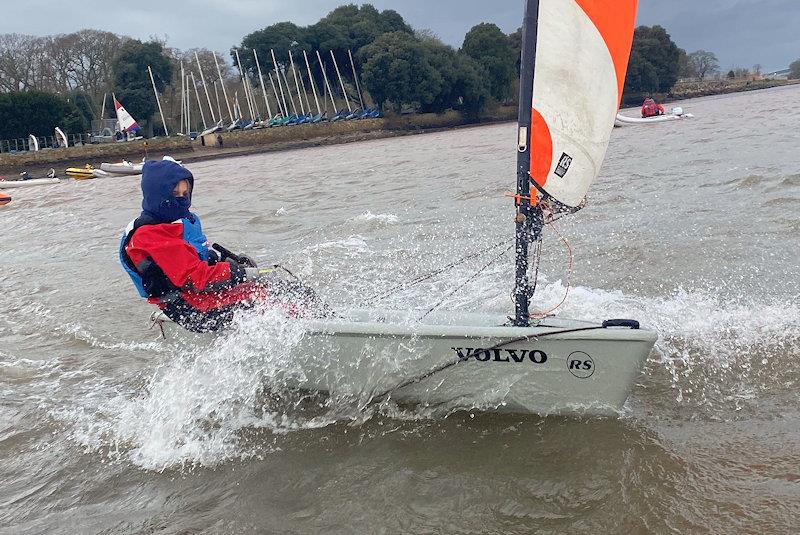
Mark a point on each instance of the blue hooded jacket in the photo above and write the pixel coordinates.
(159, 178)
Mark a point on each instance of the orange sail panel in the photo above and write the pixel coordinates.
(582, 53)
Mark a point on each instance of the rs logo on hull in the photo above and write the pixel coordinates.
(581, 365)
(500, 355)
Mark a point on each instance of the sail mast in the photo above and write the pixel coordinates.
(224, 91)
(327, 83)
(529, 219)
(341, 82)
(205, 86)
(158, 101)
(313, 85)
(199, 105)
(280, 86)
(355, 78)
(274, 90)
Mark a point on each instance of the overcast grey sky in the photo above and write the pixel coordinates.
(741, 32)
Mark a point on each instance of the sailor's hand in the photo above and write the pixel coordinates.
(214, 257)
(246, 261)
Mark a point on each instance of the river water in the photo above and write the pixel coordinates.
(693, 228)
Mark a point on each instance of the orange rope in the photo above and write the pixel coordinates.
(548, 219)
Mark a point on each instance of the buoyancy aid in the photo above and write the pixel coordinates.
(147, 277)
(649, 108)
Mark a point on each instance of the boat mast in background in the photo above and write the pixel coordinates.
(280, 86)
(288, 90)
(205, 87)
(297, 85)
(313, 84)
(103, 108)
(188, 103)
(275, 90)
(219, 107)
(199, 105)
(302, 83)
(327, 83)
(183, 100)
(244, 84)
(529, 220)
(341, 82)
(355, 78)
(261, 81)
(158, 101)
(224, 91)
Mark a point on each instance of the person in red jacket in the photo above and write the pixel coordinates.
(169, 260)
(651, 108)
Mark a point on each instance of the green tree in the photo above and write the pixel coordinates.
(794, 70)
(132, 81)
(703, 63)
(83, 101)
(280, 37)
(362, 25)
(397, 71)
(515, 41)
(491, 49)
(463, 86)
(38, 113)
(655, 61)
(401, 70)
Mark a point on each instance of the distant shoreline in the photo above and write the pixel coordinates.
(708, 88)
(242, 143)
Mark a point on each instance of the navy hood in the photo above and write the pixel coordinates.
(159, 179)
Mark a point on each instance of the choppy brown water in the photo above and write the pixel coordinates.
(693, 228)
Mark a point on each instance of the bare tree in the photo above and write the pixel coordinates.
(703, 63)
(77, 61)
(16, 65)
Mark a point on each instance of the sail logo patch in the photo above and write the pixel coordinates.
(500, 355)
(581, 365)
(563, 165)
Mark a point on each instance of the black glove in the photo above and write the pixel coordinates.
(246, 261)
(214, 257)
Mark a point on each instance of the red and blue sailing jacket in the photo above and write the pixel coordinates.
(169, 261)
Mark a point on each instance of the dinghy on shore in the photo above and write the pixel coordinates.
(5, 184)
(26, 181)
(122, 168)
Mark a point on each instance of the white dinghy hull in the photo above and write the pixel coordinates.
(122, 168)
(623, 120)
(474, 361)
(6, 184)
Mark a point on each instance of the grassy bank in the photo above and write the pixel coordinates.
(246, 142)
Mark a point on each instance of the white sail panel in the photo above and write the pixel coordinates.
(126, 122)
(582, 52)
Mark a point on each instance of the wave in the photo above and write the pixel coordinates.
(204, 403)
(382, 219)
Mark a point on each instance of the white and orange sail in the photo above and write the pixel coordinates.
(581, 52)
(126, 122)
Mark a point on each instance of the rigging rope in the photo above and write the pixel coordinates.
(549, 221)
(383, 294)
(472, 278)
